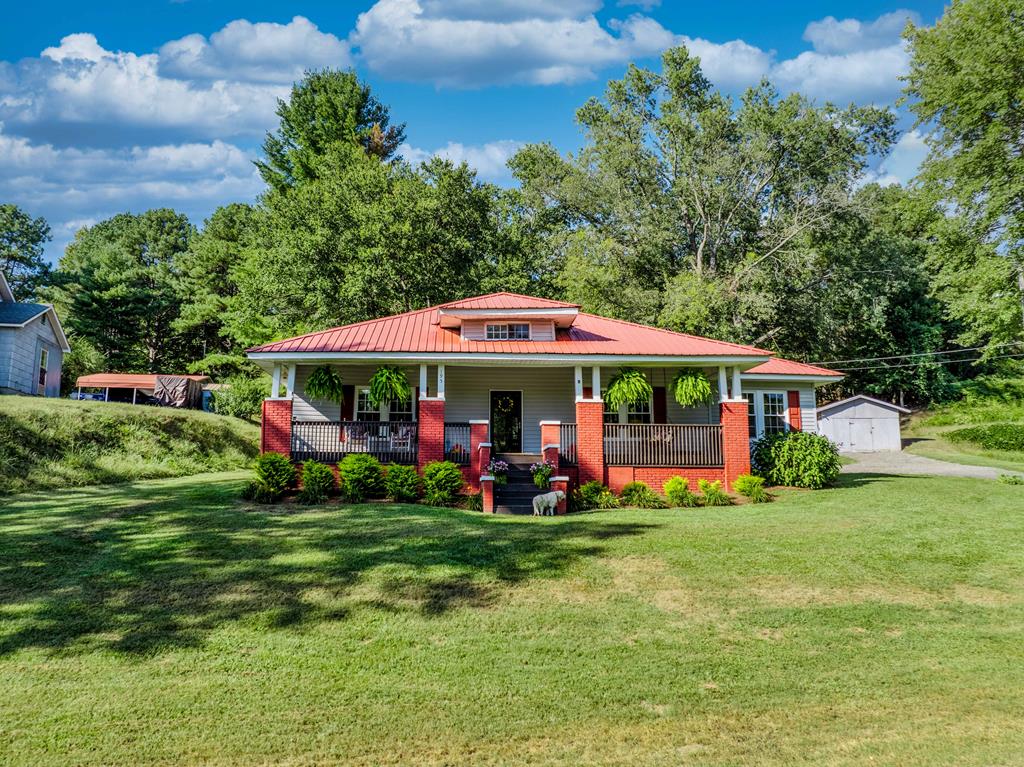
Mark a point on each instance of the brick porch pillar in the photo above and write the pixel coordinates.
(479, 434)
(735, 439)
(794, 417)
(276, 427)
(590, 439)
(561, 483)
(487, 490)
(550, 445)
(431, 431)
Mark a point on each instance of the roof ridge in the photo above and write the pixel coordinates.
(677, 333)
(506, 293)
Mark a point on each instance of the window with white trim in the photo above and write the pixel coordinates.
(508, 331)
(611, 415)
(365, 410)
(642, 413)
(766, 412)
(400, 411)
(44, 363)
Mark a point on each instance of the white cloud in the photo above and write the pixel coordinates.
(489, 159)
(734, 64)
(399, 39)
(262, 52)
(508, 10)
(830, 35)
(645, 4)
(863, 76)
(903, 162)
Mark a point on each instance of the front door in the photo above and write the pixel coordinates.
(507, 421)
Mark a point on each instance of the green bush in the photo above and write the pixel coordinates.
(677, 490)
(442, 483)
(317, 482)
(1011, 479)
(996, 436)
(361, 477)
(796, 459)
(593, 495)
(640, 496)
(241, 397)
(402, 483)
(273, 475)
(712, 493)
(752, 487)
(473, 502)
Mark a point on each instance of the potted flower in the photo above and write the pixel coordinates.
(499, 470)
(542, 473)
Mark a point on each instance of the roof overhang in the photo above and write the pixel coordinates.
(58, 329)
(864, 398)
(6, 294)
(816, 380)
(563, 317)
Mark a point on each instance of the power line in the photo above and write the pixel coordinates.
(930, 362)
(920, 354)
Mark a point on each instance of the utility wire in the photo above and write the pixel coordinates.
(920, 354)
(930, 362)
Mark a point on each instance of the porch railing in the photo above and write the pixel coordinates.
(657, 444)
(330, 441)
(567, 444)
(456, 443)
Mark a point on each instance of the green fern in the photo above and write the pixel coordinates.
(387, 384)
(628, 387)
(325, 383)
(691, 387)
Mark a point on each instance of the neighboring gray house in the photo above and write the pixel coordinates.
(32, 346)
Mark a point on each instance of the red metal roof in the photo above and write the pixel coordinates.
(779, 366)
(418, 332)
(126, 380)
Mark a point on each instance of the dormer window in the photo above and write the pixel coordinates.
(508, 331)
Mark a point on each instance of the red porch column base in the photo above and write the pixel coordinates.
(590, 440)
(795, 417)
(561, 483)
(431, 432)
(735, 440)
(276, 427)
(487, 489)
(550, 436)
(479, 433)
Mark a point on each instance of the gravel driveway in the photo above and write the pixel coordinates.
(908, 463)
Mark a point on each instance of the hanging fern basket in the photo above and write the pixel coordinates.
(691, 388)
(325, 383)
(388, 384)
(628, 387)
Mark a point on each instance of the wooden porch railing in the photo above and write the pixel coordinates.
(456, 443)
(567, 444)
(659, 444)
(330, 441)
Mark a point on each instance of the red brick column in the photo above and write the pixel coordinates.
(795, 418)
(276, 427)
(561, 483)
(431, 432)
(590, 439)
(487, 489)
(550, 436)
(479, 433)
(735, 439)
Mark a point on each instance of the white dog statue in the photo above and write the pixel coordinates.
(545, 505)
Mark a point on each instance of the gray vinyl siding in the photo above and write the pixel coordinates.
(307, 409)
(19, 358)
(674, 412)
(808, 407)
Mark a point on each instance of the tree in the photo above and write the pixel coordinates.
(326, 108)
(22, 239)
(965, 87)
(117, 288)
(686, 210)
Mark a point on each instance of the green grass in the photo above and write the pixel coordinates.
(164, 622)
(50, 443)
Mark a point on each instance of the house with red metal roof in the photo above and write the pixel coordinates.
(521, 378)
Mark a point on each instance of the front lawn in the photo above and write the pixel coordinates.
(166, 623)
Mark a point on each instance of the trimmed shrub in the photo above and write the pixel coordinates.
(402, 483)
(796, 459)
(996, 436)
(640, 496)
(677, 490)
(273, 475)
(361, 477)
(317, 482)
(752, 487)
(712, 493)
(593, 495)
(442, 483)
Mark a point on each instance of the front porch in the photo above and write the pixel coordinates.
(468, 413)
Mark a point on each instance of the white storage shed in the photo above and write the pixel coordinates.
(862, 424)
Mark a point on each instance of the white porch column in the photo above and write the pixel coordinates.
(579, 381)
(737, 389)
(440, 381)
(723, 384)
(275, 383)
(290, 385)
(423, 381)
(106, 394)
(135, 393)
(595, 382)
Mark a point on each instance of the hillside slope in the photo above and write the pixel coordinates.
(49, 443)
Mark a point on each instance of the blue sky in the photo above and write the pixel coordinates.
(131, 105)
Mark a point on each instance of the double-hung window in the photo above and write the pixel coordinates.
(365, 410)
(766, 412)
(400, 411)
(510, 331)
(641, 413)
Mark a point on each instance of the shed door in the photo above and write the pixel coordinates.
(861, 435)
